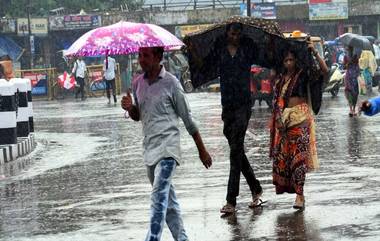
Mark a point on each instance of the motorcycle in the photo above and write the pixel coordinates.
(177, 64)
(186, 81)
(335, 80)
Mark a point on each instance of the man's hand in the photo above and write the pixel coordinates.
(126, 101)
(310, 47)
(206, 159)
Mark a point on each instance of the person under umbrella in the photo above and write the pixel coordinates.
(233, 54)
(351, 87)
(228, 50)
(292, 133)
(159, 101)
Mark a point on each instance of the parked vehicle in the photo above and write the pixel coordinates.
(176, 63)
(335, 80)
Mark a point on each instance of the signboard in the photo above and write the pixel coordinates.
(32, 48)
(39, 82)
(328, 9)
(74, 22)
(260, 10)
(8, 25)
(39, 26)
(182, 31)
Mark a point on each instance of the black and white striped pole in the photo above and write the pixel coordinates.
(30, 104)
(8, 126)
(22, 104)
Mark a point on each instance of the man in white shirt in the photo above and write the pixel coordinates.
(79, 71)
(109, 68)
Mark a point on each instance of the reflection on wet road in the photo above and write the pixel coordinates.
(86, 180)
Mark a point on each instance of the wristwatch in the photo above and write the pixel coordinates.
(315, 53)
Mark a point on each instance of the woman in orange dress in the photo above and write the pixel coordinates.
(293, 146)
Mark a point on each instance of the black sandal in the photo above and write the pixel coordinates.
(256, 203)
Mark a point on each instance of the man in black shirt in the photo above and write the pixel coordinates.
(235, 54)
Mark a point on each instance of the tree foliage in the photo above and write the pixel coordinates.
(19, 8)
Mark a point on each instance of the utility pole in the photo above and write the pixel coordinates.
(30, 36)
(248, 8)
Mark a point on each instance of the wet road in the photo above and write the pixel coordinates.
(86, 179)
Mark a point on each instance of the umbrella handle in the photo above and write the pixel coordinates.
(107, 59)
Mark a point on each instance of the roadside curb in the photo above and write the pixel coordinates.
(24, 146)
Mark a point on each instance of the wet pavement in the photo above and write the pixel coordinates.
(86, 179)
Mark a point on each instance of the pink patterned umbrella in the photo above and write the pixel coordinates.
(122, 38)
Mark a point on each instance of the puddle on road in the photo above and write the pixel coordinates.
(54, 150)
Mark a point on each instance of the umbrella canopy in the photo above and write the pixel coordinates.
(271, 45)
(266, 34)
(122, 38)
(370, 38)
(331, 42)
(356, 41)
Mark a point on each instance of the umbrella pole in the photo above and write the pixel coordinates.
(107, 59)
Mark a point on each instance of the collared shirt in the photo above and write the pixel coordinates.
(109, 73)
(235, 71)
(79, 68)
(160, 104)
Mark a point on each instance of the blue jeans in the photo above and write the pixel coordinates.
(164, 205)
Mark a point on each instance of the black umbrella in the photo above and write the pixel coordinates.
(265, 33)
(356, 41)
(371, 39)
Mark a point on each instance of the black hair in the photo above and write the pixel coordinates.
(234, 27)
(5, 57)
(158, 51)
(294, 53)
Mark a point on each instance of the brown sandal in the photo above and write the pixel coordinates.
(228, 209)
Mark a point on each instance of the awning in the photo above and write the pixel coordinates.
(10, 48)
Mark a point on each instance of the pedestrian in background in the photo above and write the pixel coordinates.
(109, 68)
(159, 101)
(7, 64)
(368, 66)
(293, 145)
(351, 87)
(79, 71)
(371, 107)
